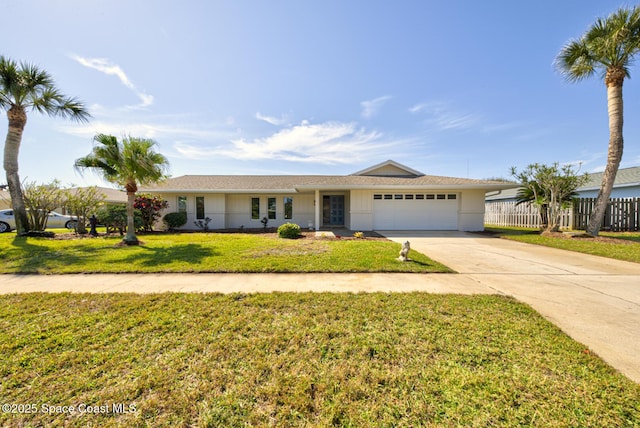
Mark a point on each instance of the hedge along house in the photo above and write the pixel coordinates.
(387, 196)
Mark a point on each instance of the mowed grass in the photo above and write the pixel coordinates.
(286, 359)
(206, 252)
(627, 251)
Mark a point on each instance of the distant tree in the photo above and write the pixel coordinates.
(608, 46)
(25, 87)
(150, 207)
(82, 203)
(40, 200)
(128, 163)
(552, 188)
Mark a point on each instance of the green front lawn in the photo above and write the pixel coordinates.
(206, 252)
(615, 245)
(287, 359)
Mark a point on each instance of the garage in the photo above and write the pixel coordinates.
(415, 211)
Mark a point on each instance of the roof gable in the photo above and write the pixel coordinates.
(389, 169)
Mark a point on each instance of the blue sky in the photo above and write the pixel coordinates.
(454, 88)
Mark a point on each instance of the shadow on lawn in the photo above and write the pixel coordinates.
(40, 259)
(152, 256)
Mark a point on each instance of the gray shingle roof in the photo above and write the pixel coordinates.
(246, 183)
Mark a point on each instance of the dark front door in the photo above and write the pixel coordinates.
(333, 210)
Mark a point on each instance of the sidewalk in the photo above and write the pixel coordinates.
(242, 283)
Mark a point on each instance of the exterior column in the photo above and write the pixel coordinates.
(317, 207)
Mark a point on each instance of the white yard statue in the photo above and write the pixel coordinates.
(404, 252)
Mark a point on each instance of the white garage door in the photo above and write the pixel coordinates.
(415, 211)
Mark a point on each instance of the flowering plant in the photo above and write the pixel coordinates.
(149, 207)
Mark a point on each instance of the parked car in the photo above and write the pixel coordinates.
(56, 220)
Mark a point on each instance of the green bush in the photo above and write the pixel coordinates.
(289, 231)
(175, 220)
(114, 217)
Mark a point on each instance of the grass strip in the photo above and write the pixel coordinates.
(286, 359)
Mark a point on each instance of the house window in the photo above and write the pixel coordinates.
(419, 196)
(408, 196)
(431, 196)
(388, 196)
(440, 196)
(200, 207)
(271, 208)
(182, 204)
(451, 196)
(288, 208)
(255, 208)
(377, 196)
(397, 196)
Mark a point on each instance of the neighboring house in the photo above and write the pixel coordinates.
(626, 185)
(5, 199)
(112, 196)
(387, 196)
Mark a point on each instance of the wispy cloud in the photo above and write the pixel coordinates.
(164, 129)
(444, 117)
(325, 143)
(417, 108)
(105, 66)
(272, 120)
(371, 107)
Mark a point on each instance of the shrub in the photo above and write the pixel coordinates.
(175, 220)
(114, 217)
(149, 207)
(359, 235)
(289, 231)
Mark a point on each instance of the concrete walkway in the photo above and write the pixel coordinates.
(593, 299)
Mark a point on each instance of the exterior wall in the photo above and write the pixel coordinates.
(239, 210)
(471, 216)
(214, 208)
(232, 211)
(361, 210)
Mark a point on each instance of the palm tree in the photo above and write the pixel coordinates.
(25, 87)
(128, 163)
(608, 46)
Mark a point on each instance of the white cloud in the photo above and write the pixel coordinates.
(445, 118)
(371, 107)
(272, 120)
(326, 143)
(417, 108)
(164, 129)
(103, 65)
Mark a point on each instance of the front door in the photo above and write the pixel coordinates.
(333, 210)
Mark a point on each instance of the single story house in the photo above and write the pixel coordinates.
(626, 185)
(386, 196)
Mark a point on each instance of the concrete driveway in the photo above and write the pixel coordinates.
(593, 299)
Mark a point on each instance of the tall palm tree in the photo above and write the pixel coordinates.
(24, 87)
(128, 163)
(608, 46)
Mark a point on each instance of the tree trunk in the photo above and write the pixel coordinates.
(130, 238)
(616, 143)
(17, 120)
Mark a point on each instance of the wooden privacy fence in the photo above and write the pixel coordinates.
(622, 214)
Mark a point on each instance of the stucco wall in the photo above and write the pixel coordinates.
(471, 216)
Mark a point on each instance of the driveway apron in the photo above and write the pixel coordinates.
(593, 299)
